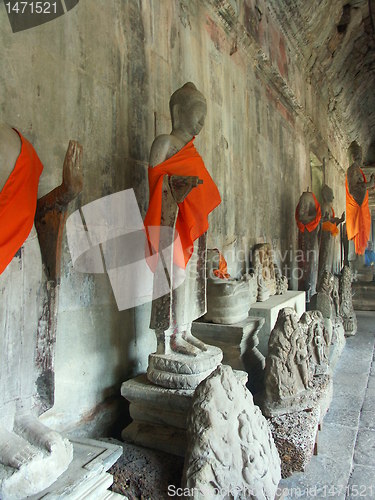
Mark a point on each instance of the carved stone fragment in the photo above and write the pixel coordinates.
(231, 452)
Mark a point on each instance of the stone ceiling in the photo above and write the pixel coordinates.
(336, 43)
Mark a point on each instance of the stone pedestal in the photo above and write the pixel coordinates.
(239, 343)
(179, 371)
(295, 434)
(159, 414)
(86, 476)
(269, 310)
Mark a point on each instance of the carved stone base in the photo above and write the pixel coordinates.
(179, 371)
(38, 473)
(320, 395)
(159, 414)
(239, 345)
(294, 435)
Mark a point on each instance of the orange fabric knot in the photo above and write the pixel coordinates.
(192, 217)
(358, 220)
(331, 227)
(18, 200)
(222, 272)
(312, 224)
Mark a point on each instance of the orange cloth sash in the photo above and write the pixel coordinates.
(222, 272)
(192, 215)
(18, 200)
(312, 224)
(329, 226)
(358, 220)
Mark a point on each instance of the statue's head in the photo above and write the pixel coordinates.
(327, 194)
(288, 320)
(355, 153)
(188, 109)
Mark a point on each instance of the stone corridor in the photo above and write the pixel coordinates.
(345, 465)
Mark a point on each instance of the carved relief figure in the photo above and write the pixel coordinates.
(270, 280)
(182, 194)
(329, 231)
(308, 217)
(318, 341)
(23, 438)
(287, 372)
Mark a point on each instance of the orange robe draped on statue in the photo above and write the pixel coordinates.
(192, 219)
(358, 220)
(18, 200)
(331, 227)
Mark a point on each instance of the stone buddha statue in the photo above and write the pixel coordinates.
(358, 217)
(25, 443)
(308, 217)
(182, 194)
(329, 231)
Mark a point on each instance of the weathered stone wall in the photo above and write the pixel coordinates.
(103, 74)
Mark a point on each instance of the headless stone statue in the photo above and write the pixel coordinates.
(25, 443)
(358, 218)
(182, 176)
(308, 216)
(329, 231)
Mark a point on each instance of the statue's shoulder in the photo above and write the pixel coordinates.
(160, 149)
(10, 147)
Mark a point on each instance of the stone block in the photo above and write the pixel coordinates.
(269, 310)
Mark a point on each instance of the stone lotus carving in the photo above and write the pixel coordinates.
(231, 453)
(347, 313)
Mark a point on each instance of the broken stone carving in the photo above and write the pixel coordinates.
(318, 341)
(231, 453)
(32, 456)
(177, 170)
(269, 278)
(228, 299)
(288, 378)
(308, 216)
(330, 231)
(327, 302)
(347, 313)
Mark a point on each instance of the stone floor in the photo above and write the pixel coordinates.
(345, 465)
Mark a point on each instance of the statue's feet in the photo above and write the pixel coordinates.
(180, 345)
(29, 427)
(14, 450)
(188, 337)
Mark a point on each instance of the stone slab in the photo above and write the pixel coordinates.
(362, 483)
(269, 310)
(364, 452)
(86, 476)
(363, 295)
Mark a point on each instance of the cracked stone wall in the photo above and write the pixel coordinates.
(103, 74)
